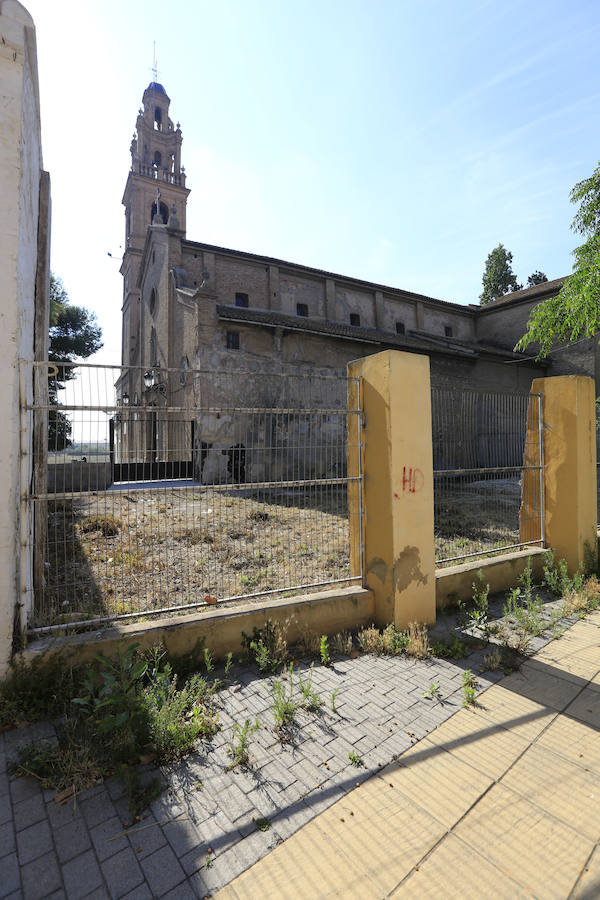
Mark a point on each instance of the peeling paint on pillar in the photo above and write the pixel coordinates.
(398, 486)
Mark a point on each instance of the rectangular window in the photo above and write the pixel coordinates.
(448, 331)
(301, 309)
(400, 328)
(354, 319)
(241, 300)
(233, 340)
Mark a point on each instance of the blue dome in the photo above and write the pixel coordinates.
(155, 86)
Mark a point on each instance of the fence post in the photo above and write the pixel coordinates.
(569, 436)
(397, 463)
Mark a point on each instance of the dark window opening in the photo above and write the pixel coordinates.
(157, 158)
(302, 309)
(152, 302)
(354, 319)
(241, 300)
(448, 330)
(400, 328)
(164, 213)
(232, 340)
(158, 118)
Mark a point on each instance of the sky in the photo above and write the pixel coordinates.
(397, 142)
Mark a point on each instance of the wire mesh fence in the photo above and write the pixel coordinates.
(488, 459)
(162, 490)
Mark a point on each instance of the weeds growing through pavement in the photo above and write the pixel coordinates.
(355, 759)
(241, 742)
(310, 699)
(119, 710)
(492, 661)
(267, 645)
(433, 691)
(334, 694)
(324, 650)
(284, 705)
(262, 824)
(469, 688)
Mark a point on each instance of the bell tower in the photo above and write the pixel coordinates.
(155, 194)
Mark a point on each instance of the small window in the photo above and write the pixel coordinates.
(152, 302)
(302, 309)
(232, 340)
(157, 158)
(448, 330)
(354, 319)
(241, 300)
(400, 329)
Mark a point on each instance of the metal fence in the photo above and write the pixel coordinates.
(161, 490)
(488, 472)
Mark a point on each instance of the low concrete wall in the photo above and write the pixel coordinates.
(221, 629)
(78, 476)
(500, 572)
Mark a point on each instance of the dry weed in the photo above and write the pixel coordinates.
(309, 642)
(369, 640)
(342, 643)
(585, 599)
(493, 661)
(418, 641)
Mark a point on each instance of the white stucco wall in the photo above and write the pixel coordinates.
(20, 167)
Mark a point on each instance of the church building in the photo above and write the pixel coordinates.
(191, 305)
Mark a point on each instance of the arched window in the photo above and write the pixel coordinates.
(158, 118)
(157, 158)
(152, 302)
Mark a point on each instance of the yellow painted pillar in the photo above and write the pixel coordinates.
(570, 511)
(397, 462)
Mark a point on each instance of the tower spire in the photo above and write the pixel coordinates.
(154, 62)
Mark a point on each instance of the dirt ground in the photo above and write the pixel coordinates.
(125, 552)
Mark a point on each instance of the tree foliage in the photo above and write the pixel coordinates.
(74, 334)
(498, 277)
(536, 278)
(575, 311)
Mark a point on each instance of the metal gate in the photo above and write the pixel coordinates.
(166, 489)
(488, 472)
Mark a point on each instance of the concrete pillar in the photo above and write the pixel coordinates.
(22, 261)
(397, 462)
(569, 453)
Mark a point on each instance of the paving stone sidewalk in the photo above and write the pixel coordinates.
(202, 832)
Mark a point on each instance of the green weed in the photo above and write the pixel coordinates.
(355, 759)
(241, 741)
(324, 650)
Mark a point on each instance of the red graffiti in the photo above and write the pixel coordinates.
(412, 480)
(397, 496)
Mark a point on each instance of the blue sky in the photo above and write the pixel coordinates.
(395, 141)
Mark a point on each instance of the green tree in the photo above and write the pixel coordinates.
(498, 277)
(536, 278)
(574, 313)
(74, 334)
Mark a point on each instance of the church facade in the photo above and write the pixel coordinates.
(190, 305)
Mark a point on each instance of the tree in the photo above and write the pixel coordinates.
(74, 334)
(536, 278)
(574, 313)
(498, 277)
